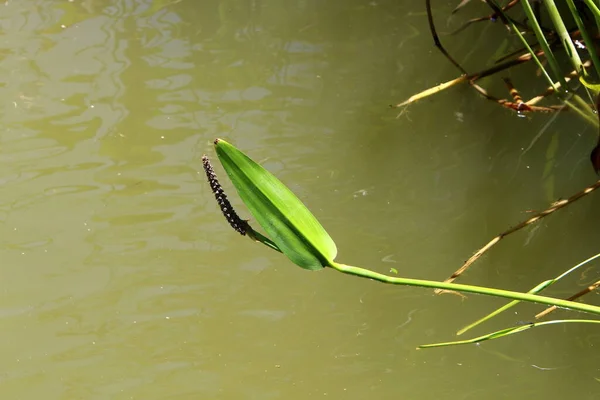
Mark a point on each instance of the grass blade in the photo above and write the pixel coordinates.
(589, 42)
(565, 38)
(540, 287)
(539, 34)
(513, 303)
(508, 331)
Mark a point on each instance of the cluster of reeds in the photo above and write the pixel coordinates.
(546, 40)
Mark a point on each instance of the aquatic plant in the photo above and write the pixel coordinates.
(294, 231)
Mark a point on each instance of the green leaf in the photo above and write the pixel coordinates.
(281, 214)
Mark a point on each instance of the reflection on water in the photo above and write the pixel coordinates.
(121, 280)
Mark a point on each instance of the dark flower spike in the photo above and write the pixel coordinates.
(234, 220)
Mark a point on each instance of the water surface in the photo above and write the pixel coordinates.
(121, 280)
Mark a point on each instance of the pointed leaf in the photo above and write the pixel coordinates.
(280, 213)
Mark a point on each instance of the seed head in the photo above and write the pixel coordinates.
(234, 220)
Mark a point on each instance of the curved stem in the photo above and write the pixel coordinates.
(509, 331)
(532, 298)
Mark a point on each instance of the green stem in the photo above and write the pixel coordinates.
(365, 273)
(539, 34)
(589, 42)
(594, 8)
(537, 289)
(563, 33)
(509, 331)
(588, 114)
(596, 11)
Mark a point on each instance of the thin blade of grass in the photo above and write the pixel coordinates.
(539, 34)
(537, 289)
(595, 10)
(563, 33)
(589, 42)
(513, 303)
(508, 331)
(577, 295)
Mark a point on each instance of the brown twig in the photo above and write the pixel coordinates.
(473, 77)
(555, 207)
(499, 13)
(518, 105)
(550, 90)
(436, 38)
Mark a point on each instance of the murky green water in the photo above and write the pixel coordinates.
(121, 280)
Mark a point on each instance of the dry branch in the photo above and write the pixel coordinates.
(555, 207)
